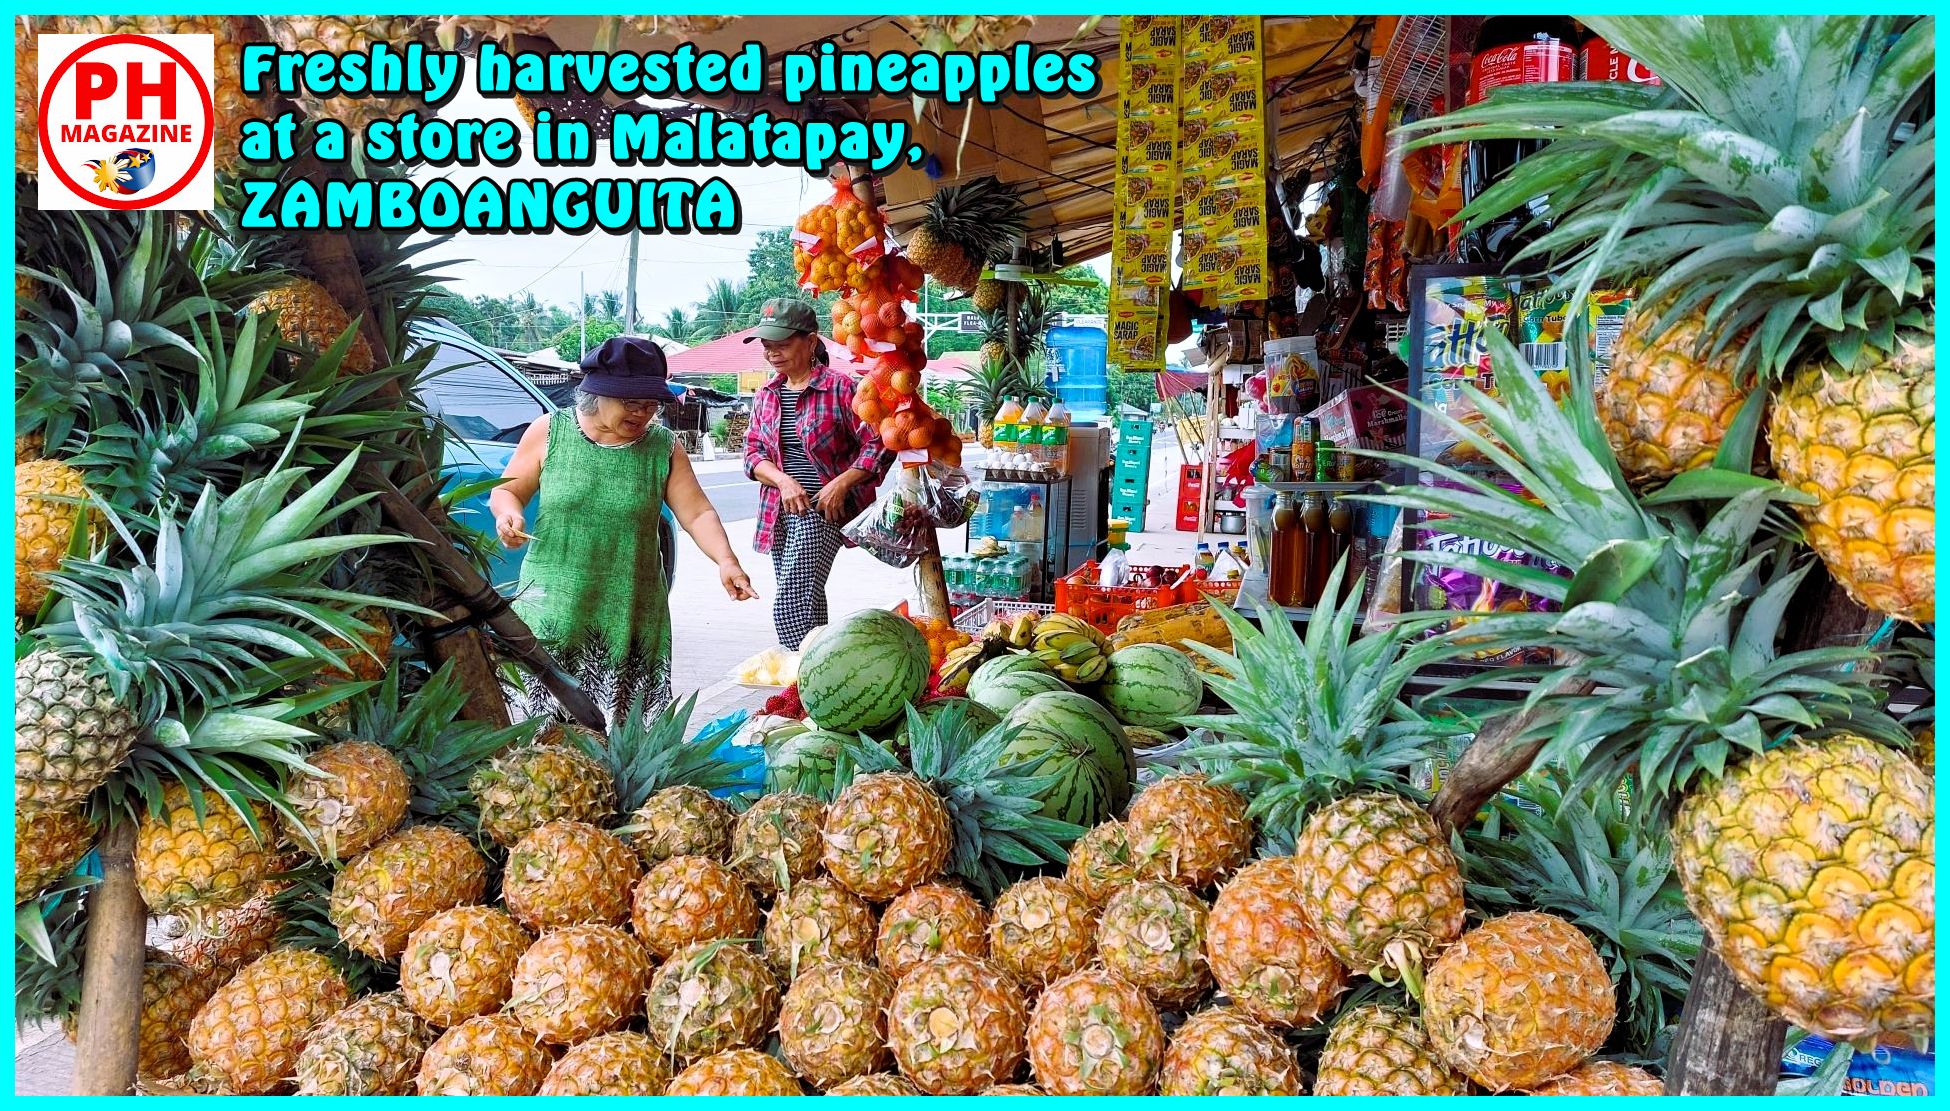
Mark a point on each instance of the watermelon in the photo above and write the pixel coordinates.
(863, 671)
(1151, 685)
(1003, 695)
(983, 718)
(802, 763)
(1012, 664)
(1093, 762)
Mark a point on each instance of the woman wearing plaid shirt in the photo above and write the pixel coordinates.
(818, 464)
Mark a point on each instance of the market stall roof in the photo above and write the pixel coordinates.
(732, 355)
(1060, 154)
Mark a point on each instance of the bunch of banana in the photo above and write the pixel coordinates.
(1017, 633)
(1071, 648)
(958, 665)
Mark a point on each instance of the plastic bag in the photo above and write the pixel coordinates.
(894, 528)
(837, 240)
(949, 494)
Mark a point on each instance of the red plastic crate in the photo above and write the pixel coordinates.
(1104, 606)
(1200, 586)
(1188, 514)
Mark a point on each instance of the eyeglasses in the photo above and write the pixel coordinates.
(638, 405)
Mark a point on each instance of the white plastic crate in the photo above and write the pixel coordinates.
(976, 617)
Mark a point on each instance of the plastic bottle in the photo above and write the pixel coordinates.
(1116, 568)
(1204, 558)
(1029, 431)
(1019, 524)
(1034, 520)
(1056, 437)
(1005, 425)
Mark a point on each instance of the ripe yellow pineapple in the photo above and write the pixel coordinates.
(1013, 1090)
(691, 899)
(736, 1072)
(579, 981)
(361, 798)
(182, 861)
(885, 833)
(217, 943)
(778, 838)
(989, 294)
(460, 963)
(833, 1023)
(1264, 954)
(1378, 1049)
(310, 317)
(1153, 935)
(342, 34)
(957, 1025)
(1041, 930)
(251, 1031)
(1812, 867)
(1095, 1033)
(1101, 862)
(1223, 1052)
(536, 783)
(1189, 831)
(70, 731)
(368, 659)
(877, 1084)
(1518, 1000)
(489, 1055)
(964, 228)
(817, 921)
(566, 873)
(618, 1064)
(683, 821)
(711, 997)
(1602, 1078)
(930, 921)
(1380, 884)
(392, 889)
(1864, 444)
(1666, 408)
(372, 1048)
(49, 497)
(47, 846)
(172, 994)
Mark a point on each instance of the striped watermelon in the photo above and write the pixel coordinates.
(863, 671)
(1003, 694)
(1015, 663)
(802, 763)
(980, 716)
(1151, 684)
(1094, 761)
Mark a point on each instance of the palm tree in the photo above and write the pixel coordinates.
(682, 327)
(722, 312)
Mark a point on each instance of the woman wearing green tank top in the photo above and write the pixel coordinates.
(592, 586)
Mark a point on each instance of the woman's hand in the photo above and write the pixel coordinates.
(508, 526)
(736, 583)
(792, 496)
(832, 499)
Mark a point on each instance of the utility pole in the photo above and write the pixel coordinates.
(582, 315)
(629, 290)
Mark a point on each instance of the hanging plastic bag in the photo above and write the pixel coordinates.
(949, 494)
(894, 528)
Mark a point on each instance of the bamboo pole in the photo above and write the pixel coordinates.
(110, 1017)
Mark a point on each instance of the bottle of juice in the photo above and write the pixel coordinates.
(1035, 519)
(1056, 437)
(1005, 424)
(1029, 431)
(1288, 568)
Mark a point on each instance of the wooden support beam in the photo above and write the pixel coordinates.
(110, 1017)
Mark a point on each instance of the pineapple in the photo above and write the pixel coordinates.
(1101, 862)
(884, 834)
(1863, 444)
(1602, 1078)
(876, 1084)
(48, 844)
(1518, 1000)
(817, 921)
(664, 782)
(215, 859)
(1666, 405)
(50, 498)
(340, 35)
(489, 1055)
(683, 821)
(252, 1029)
(1264, 954)
(1825, 258)
(777, 841)
(536, 783)
(1095, 1033)
(711, 997)
(1042, 929)
(833, 1023)
(579, 981)
(1223, 1052)
(989, 295)
(736, 1072)
(1153, 935)
(567, 873)
(371, 1048)
(1187, 830)
(964, 228)
(392, 889)
(219, 942)
(460, 964)
(1378, 1049)
(1013, 1090)
(957, 1025)
(689, 899)
(172, 993)
(361, 797)
(70, 731)
(930, 921)
(618, 1064)
(309, 317)
(368, 658)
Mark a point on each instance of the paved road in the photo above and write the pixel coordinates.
(734, 495)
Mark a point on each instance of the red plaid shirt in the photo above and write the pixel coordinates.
(836, 442)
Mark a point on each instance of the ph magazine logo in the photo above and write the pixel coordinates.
(127, 122)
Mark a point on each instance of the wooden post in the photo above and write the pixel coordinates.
(933, 580)
(1728, 1043)
(474, 668)
(111, 973)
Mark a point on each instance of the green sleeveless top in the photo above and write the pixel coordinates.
(592, 583)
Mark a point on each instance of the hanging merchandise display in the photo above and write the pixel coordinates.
(1222, 186)
(1146, 183)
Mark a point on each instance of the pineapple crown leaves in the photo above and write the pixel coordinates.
(439, 751)
(1770, 169)
(983, 217)
(991, 799)
(238, 579)
(1315, 718)
(1674, 601)
(647, 752)
(305, 902)
(1913, 663)
(1575, 852)
(48, 945)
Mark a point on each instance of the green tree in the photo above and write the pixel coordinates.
(723, 310)
(568, 342)
(771, 273)
(1139, 390)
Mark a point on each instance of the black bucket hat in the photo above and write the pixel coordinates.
(628, 368)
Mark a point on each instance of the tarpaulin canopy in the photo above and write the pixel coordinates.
(1172, 383)
(732, 355)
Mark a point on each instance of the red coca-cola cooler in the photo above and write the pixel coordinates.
(1597, 61)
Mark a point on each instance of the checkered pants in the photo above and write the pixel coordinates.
(802, 558)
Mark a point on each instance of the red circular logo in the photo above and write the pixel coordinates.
(53, 159)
